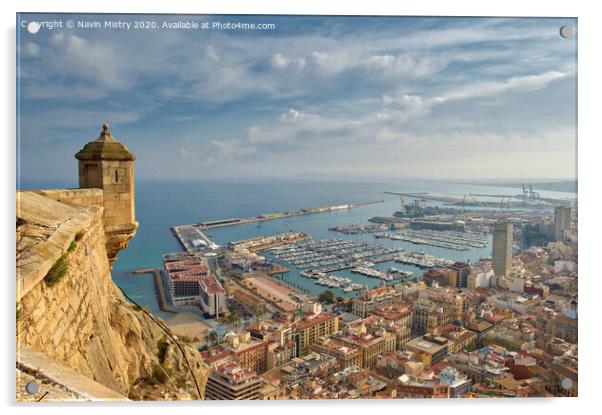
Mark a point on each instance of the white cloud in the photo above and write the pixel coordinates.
(31, 49)
(318, 95)
(485, 89)
(229, 149)
(185, 152)
(279, 61)
(212, 53)
(291, 114)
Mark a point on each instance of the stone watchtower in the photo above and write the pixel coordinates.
(107, 164)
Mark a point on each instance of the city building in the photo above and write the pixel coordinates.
(250, 353)
(281, 346)
(480, 278)
(521, 303)
(217, 356)
(190, 282)
(212, 296)
(457, 226)
(395, 318)
(395, 312)
(346, 354)
(458, 338)
(247, 299)
(565, 326)
(311, 328)
(230, 381)
(428, 316)
(502, 248)
(411, 387)
(458, 384)
(562, 221)
(517, 285)
(433, 276)
(298, 377)
(184, 272)
(212, 261)
(458, 274)
(398, 362)
(370, 345)
(486, 368)
(371, 299)
(433, 347)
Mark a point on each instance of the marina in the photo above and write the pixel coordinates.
(422, 260)
(332, 281)
(374, 273)
(332, 254)
(459, 241)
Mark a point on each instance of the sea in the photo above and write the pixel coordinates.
(163, 204)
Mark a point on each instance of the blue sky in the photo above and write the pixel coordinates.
(318, 97)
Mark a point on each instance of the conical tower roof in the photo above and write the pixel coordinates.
(105, 147)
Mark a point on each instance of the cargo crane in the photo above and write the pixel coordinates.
(419, 195)
(534, 195)
(466, 201)
(529, 194)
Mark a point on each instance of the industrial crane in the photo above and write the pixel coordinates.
(412, 195)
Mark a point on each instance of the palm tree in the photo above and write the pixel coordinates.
(233, 318)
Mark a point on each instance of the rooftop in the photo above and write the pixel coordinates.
(105, 147)
(234, 373)
(211, 285)
(313, 319)
(428, 344)
(393, 311)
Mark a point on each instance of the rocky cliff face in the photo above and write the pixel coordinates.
(70, 310)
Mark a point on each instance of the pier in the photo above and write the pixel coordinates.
(274, 216)
(192, 237)
(159, 289)
(189, 236)
(459, 241)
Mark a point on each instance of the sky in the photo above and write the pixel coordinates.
(316, 97)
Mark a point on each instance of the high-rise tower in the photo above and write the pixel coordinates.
(107, 164)
(562, 221)
(502, 248)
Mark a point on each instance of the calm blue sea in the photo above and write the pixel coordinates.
(162, 204)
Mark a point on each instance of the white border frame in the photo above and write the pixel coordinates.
(589, 196)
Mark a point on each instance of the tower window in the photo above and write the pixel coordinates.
(116, 177)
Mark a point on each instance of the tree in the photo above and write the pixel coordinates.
(233, 318)
(326, 297)
(212, 338)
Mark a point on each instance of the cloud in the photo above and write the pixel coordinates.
(185, 152)
(279, 61)
(231, 149)
(326, 95)
(406, 65)
(31, 49)
(212, 53)
(519, 83)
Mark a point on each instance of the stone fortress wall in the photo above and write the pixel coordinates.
(68, 308)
